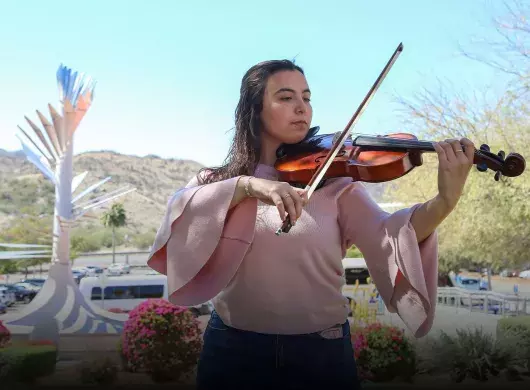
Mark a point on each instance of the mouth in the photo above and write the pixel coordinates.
(299, 123)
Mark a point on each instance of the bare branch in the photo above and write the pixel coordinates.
(511, 52)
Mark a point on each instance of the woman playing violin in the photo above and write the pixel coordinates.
(280, 318)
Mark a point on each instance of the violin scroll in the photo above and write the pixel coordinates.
(511, 166)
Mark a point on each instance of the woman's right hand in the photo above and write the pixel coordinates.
(280, 194)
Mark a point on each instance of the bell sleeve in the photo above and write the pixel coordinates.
(201, 241)
(404, 271)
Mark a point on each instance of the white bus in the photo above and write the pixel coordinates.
(355, 268)
(125, 292)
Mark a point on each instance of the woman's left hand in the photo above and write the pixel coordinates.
(455, 159)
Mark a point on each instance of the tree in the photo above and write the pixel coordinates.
(354, 252)
(511, 52)
(114, 218)
(489, 225)
(29, 229)
(8, 267)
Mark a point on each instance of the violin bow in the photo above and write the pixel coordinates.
(321, 171)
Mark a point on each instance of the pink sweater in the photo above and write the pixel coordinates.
(291, 283)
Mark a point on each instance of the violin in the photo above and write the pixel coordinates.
(366, 158)
(376, 159)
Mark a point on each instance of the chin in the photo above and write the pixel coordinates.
(295, 137)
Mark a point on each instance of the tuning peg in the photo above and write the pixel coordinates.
(485, 147)
(482, 167)
(502, 155)
(498, 175)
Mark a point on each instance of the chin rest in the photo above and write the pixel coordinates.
(311, 133)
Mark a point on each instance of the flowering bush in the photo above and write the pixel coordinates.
(382, 353)
(5, 335)
(161, 339)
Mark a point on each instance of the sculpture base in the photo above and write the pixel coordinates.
(60, 299)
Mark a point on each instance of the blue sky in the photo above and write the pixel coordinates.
(169, 72)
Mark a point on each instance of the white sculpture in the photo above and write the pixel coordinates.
(60, 298)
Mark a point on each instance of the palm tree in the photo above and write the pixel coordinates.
(114, 218)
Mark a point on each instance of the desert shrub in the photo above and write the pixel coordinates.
(101, 372)
(95, 238)
(143, 240)
(383, 353)
(161, 339)
(5, 335)
(82, 243)
(516, 331)
(470, 353)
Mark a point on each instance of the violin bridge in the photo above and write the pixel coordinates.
(336, 137)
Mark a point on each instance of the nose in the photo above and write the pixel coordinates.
(300, 107)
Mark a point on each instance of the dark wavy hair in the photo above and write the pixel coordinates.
(244, 153)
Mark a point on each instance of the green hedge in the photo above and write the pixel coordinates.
(27, 363)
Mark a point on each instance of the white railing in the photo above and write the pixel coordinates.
(489, 302)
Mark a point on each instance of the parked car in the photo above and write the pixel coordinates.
(22, 294)
(81, 270)
(94, 269)
(119, 269)
(78, 275)
(7, 297)
(28, 286)
(39, 282)
(508, 273)
(469, 283)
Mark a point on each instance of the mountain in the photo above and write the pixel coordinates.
(7, 153)
(155, 179)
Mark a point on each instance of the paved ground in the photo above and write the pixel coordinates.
(449, 319)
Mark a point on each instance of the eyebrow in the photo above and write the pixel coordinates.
(290, 90)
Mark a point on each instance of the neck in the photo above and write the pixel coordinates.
(390, 143)
(268, 150)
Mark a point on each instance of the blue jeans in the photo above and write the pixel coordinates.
(237, 359)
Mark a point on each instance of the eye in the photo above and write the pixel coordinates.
(285, 98)
(307, 99)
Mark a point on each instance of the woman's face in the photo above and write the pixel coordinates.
(286, 114)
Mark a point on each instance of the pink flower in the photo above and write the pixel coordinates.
(160, 334)
(377, 347)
